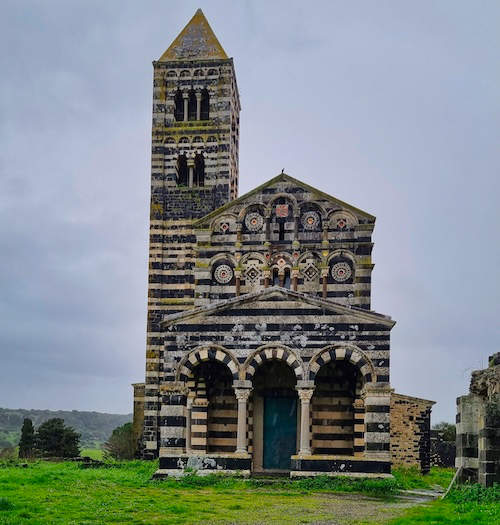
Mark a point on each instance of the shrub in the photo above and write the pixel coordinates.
(447, 430)
(120, 444)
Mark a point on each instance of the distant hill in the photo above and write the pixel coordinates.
(94, 427)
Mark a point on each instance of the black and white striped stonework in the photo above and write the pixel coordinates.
(306, 333)
(172, 240)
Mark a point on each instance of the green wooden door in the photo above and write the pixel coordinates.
(280, 431)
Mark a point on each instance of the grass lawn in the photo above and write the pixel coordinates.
(56, 493)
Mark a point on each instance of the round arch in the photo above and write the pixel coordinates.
(250, 207)
(291, 198)
(317, 205)
(272, 352)
(343, 352)
(206, 353)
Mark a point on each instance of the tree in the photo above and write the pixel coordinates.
(27, 441)
(120, 444)
(53, 438)
(447, 430)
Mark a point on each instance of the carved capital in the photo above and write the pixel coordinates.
(305, 394)
(242, 394)
(359, 403)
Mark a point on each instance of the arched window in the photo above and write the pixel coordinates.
(287, 281)
(199, 170)
(182, 171)
(205, 105)
(179, 106)
(282, 213)
(192, 106)
(284, 280)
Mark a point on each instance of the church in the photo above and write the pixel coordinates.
(263, 353)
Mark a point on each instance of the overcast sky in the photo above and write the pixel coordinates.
(391, 106)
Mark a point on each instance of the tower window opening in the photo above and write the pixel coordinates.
(281, 233)
(179, 106)
(199, 170)
(182, 171)
(205, 105)
(192, 106)
(276, 277)
(287, 281)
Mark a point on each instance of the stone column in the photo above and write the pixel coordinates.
(190, 163)
(296, 220)
(237, 274)
(324, 279)
(242, 393)
(189, 406)
(185, 96)
(267, 228)
(305, 395)
(295, 277)
(198, 105)
(267, 277)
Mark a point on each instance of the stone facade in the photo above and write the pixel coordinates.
(411, 431)
(263, 352)
(478, 427)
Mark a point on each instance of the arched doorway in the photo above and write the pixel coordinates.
(274, 407)
(214, 415)
(338, 385)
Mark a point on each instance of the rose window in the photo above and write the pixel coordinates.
(341, 271)
(254, 221)
(223, 273)
(310, 220)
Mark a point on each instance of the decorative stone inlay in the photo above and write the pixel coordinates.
(341, 271)
(341, 221)
(253, 272)
(254, 221)
(311, 220)
(224, 227)
(310, 271)
(223, 273)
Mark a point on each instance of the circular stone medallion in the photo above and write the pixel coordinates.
(223, 273)
(341, 271)
(254, 221)
(310, 220)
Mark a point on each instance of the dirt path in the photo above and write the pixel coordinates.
(349, 509)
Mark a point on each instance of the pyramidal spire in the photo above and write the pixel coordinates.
(196, 40)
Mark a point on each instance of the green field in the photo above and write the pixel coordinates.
(57, 493)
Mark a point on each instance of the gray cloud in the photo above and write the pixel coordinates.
(391, 106)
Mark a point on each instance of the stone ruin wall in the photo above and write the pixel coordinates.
(478, 427)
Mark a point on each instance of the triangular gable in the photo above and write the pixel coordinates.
(276, 292)
(279, 178)
(196, 40)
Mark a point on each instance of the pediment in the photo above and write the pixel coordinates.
(277, 295)
(282, 184)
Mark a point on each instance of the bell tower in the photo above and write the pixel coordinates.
(194, 170)
(195, 125)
